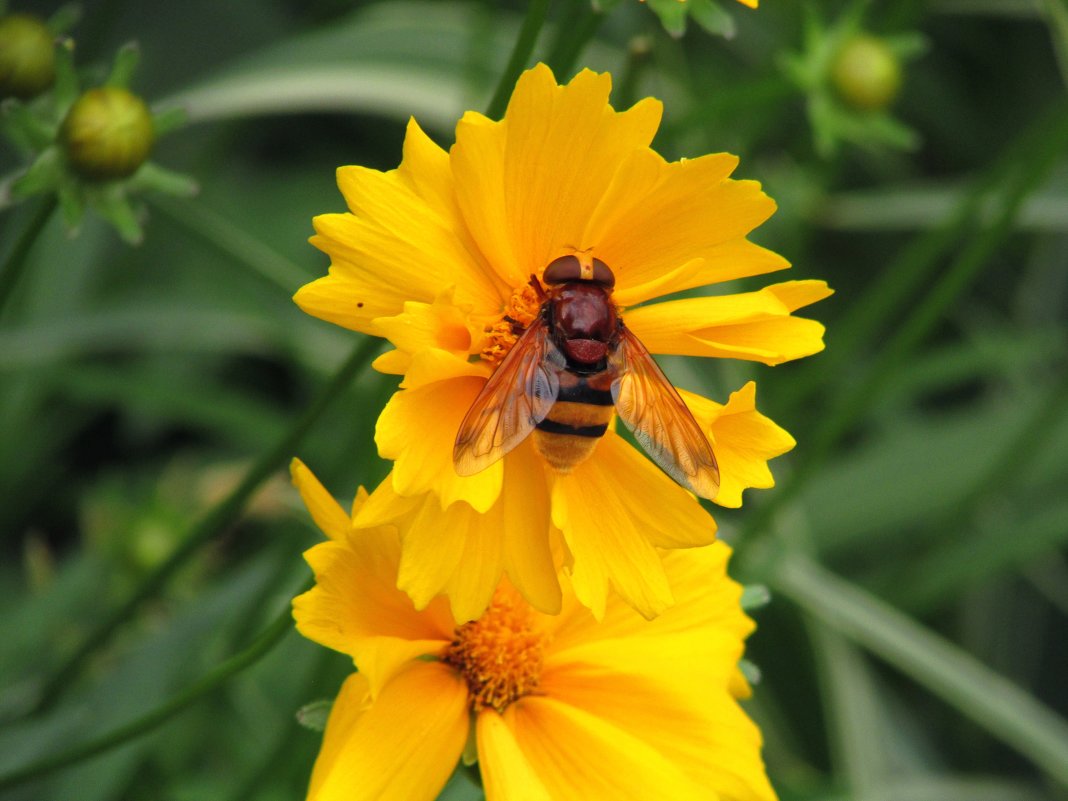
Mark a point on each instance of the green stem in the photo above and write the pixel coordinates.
(270, 637)
(571, 39)
(992, 701)
(517, 62)
(16, 261)
(217, 518)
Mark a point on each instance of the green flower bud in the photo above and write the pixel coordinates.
(866, 73)
(27, 57)
(108, 133)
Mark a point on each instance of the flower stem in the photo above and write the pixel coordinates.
(16, 262)
(267, 639)
(517, 62)
(215, 520)
(571, 37)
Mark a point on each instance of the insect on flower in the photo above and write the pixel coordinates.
(568, 369)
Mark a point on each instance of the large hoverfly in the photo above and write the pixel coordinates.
(562, 378)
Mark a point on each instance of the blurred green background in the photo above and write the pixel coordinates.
(914, 646)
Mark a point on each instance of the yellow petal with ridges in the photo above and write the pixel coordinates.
(450, 550)
(463, 554)
(690, 720)
(440, 324)
(528, 184)
(753, 325)
(525, 529)
(406, 745)
(580, 756)
(404, 240)
(506, 773)
(743, 439)
(719, 263)
(325, 511)
(417, 430)
(705, 599)
(356, 608)
(658, 215)
(612, 509)
(433, 365)
(351, 702)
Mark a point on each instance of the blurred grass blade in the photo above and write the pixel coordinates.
(995, 703)
(241, 246)
(399, 59)
(851, 704)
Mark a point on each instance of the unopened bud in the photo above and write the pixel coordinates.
(108, 133)
(27, 57)
(866, 73)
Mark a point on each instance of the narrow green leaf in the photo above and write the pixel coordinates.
(1001, 707)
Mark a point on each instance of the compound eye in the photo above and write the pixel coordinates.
(602, 274)
(563, 270)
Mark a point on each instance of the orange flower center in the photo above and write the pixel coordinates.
(522, 309)
(500, 654)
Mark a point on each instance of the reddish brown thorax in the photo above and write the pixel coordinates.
(581, 313)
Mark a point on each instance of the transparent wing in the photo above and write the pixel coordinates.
(516, 398)
(661, 421)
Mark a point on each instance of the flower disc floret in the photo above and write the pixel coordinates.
(499, 655)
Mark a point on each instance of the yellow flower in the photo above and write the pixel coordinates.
(555, 707)
(437, 256)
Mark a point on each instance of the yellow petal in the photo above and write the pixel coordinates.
(580, 756)
(462, 554)
(524, 524)
(527, 185)
(506, 773)
(706, 599)
(403, 240)
(356, 608)
(433, 364)
(743, 439)
(427, 171)
(659, 695)
(450, 551)
(325, 511)
(717, 264)
(753, 325)
(657, 216)
(440, 324)
(612, 510)
(351, 702)
(417, 430)
(405, 746)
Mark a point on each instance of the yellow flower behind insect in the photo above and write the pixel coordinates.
(471, 262)
(559, 707)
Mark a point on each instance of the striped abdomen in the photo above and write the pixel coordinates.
(577, 421)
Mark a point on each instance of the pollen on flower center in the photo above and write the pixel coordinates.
(522, 309)
(500, 654)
